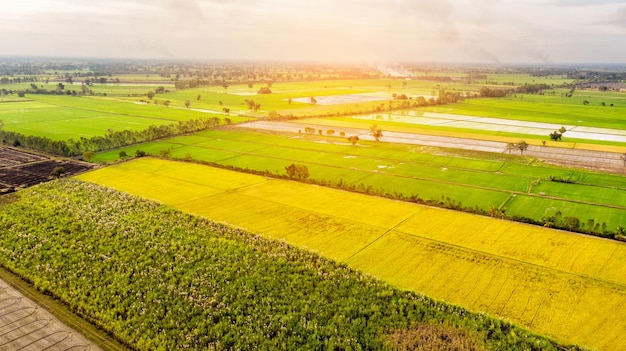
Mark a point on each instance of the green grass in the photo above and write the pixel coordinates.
(68, 117)
(555, 109)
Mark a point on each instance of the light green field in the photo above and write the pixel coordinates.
(69, 117)
(568, 286)
(471, 178)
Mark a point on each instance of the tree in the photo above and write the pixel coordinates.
(585, 102)
(522, 146)
(313, 100)
(165, 152)
(509, 147)
(166, 103)
(123, 154)
(295, 171)
(330, 132)
(150, 94)
(555, 136)
(562, 130)
(376, 132)
(57, 172)
(497, 212)
(571, 223)
(187, 103)
(250, 103)
(264, 90)
(88, 155)
(198, 97)
(353, 139)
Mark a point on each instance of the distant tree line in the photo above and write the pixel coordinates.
(112, 139)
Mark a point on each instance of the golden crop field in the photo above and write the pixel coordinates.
(568, 286)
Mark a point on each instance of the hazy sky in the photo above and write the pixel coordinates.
(488, 31)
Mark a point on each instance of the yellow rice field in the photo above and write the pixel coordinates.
(571, 287)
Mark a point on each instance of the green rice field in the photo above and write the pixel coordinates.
(517, 185)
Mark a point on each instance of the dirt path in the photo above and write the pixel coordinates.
(596, 160)
(24, 325)
(31, 320)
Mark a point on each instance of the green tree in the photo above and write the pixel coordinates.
(555, 136)
(187, 103)
(571, 223)
(88, 155)
(57, 172)
(295, 171)
(123, 154)
(150, 94)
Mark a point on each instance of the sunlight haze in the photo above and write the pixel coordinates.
(483, 31)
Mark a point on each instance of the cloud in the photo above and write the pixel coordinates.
(578, 3)
(619, 18)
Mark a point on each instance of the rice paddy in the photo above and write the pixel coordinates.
(567, 286)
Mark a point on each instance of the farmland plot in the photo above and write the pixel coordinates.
(565, 285)
(25, 326)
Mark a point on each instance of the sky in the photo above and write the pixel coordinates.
(359, 31)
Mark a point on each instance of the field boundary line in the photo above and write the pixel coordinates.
(380, 236)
